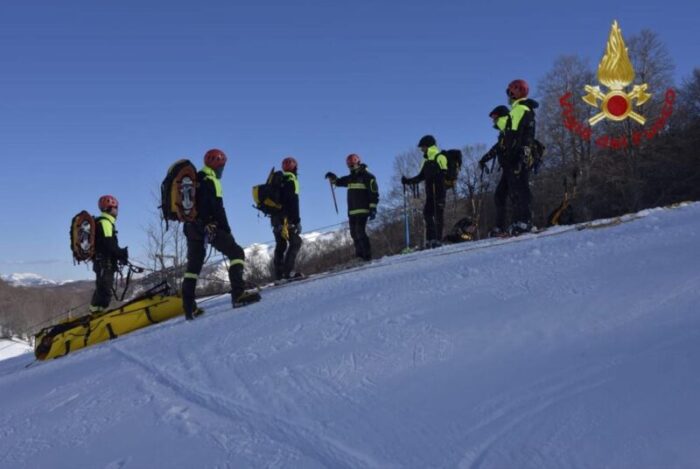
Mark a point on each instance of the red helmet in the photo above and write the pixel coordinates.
(352, 160)
(107, 202)
(215, 158)
(289, 164)
(517, 89)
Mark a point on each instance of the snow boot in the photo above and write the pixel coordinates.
(519, 228)
(496, 232)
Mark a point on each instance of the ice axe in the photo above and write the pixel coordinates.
(335, 202)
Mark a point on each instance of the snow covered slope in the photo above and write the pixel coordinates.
(568, 349)
(11, 347)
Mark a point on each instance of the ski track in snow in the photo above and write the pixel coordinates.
(312, 442)
(563, 349)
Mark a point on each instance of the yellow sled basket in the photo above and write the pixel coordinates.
(153, 307)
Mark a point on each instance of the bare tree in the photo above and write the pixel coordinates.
(166, 246)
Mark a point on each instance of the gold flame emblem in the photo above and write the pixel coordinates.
(616, 72)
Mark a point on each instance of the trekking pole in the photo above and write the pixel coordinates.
(335, 202)
(405, 219)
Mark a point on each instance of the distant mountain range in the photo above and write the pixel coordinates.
(258, 256)
(29, 280)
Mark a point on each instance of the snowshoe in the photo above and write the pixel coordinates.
(496, 232)
(432, 244)
(197, 312)
(290, 278)
(518, 228)
(246, 298)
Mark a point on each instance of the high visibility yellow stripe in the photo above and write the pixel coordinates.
(107, 228)
(191, 275)
(501, 123)
(516, 114)
(292, 177)
(358, 211)
(211, 175)
(357, 185)
(237, 261)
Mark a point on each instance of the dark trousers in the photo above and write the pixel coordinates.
(196, 252)
(358, 232)
(514, 185)
(434, 211)
(285, 250)
(104, 280)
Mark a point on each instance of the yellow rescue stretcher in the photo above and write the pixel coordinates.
(154, 306)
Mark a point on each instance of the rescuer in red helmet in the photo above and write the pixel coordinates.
(212, 227)
(286, 225)
(108, 254)
(363, 197)
(520, 149)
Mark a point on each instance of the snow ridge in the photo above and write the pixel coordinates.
(572, 348)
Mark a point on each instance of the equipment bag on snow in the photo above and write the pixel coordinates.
(268, 197)
(464, 230)
(178, 192)
(454, 165)
(82, 237)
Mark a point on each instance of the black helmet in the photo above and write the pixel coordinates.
(499, 111)
(427, 141)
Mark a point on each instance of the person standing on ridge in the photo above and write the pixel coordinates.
(108, 254)
(500, 117)
(520, 147)
(212, 227)
(286, 225)
(433, 172)
(363, 197)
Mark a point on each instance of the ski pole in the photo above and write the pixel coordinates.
(335, 202)
(405, 218)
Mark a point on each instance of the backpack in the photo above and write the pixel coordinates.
(82, 237)
(454, 165)
(464, 230)
(267, 197)
(178, 192)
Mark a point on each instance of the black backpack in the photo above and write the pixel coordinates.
(464, 230)
(82, 237)
(267, 197)
(178, 192)
(454, 165)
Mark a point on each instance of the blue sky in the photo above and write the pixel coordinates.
(101, 97)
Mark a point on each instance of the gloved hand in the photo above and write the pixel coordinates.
(482, 162)
(210, 231)
(372, 213)
(405, 180)
(331, 176)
